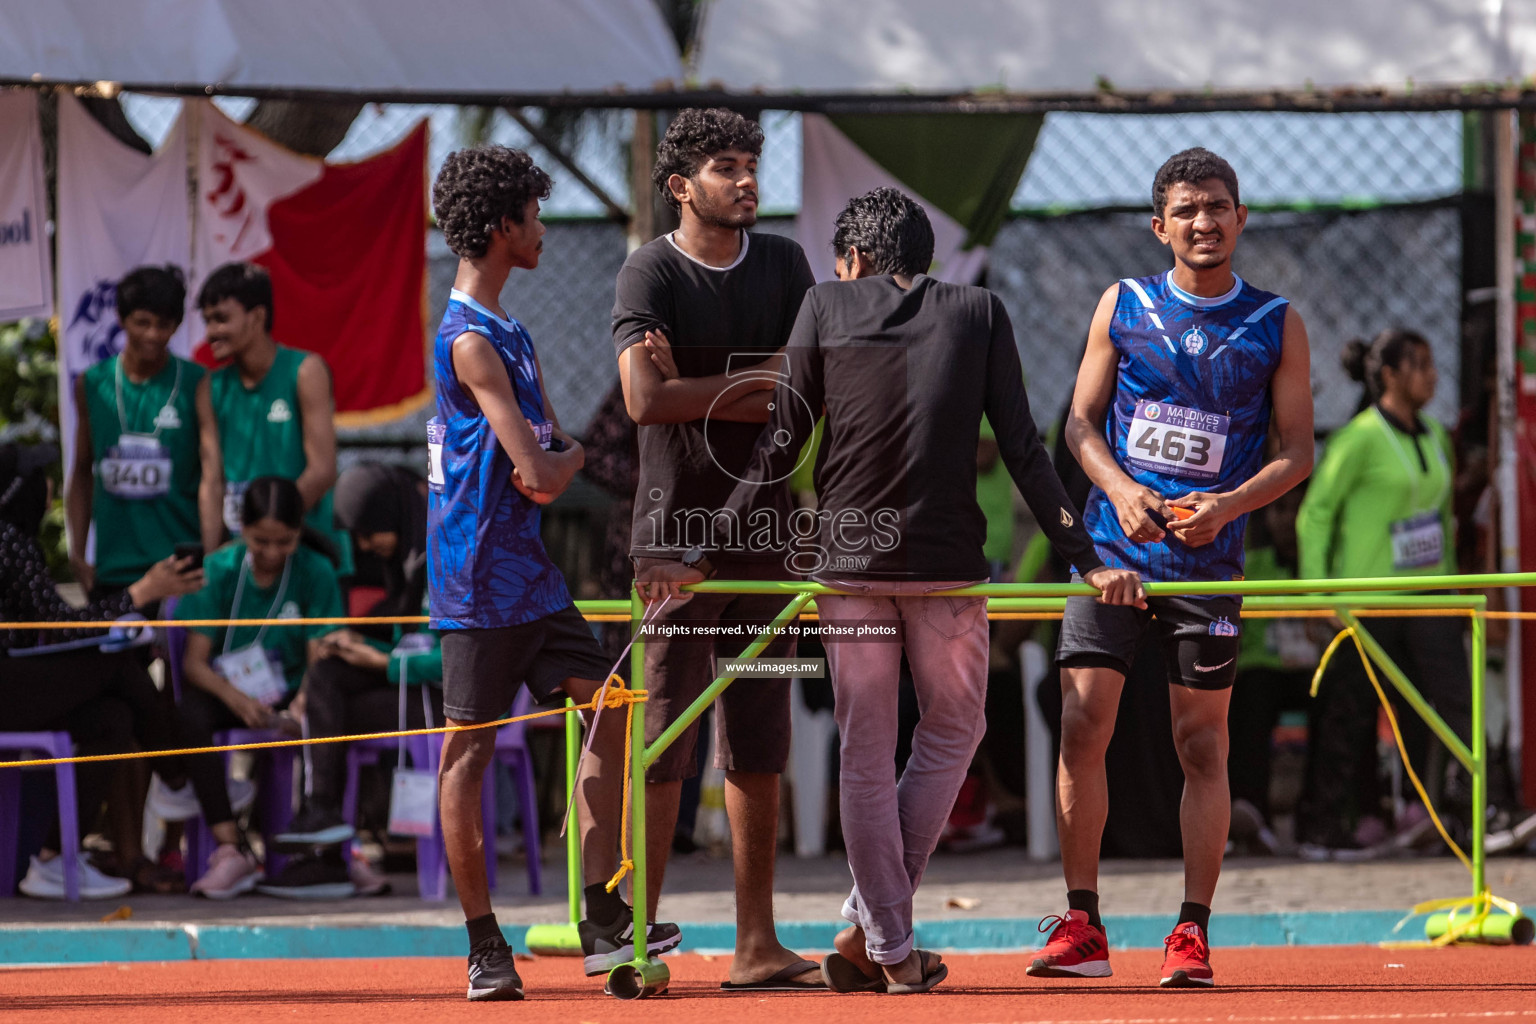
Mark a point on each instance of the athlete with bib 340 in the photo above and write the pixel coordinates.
(1185, 377)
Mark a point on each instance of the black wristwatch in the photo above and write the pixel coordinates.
(694, 558)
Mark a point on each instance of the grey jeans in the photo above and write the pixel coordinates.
(891, 826)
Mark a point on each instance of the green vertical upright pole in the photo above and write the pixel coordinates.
(1479, 750)
(642, 976)
(573, 868)
(637, 885)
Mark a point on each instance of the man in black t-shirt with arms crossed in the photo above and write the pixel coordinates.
(698, 320)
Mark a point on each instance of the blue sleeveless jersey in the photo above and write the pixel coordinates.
(1191, 413)
(486, 564)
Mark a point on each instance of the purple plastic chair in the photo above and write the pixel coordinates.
(431, 857)
(424, 752)
(275, 787)
(48, 744)
(512, 751)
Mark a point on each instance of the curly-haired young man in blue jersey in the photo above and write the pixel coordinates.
(1185, 377)
(496, 454)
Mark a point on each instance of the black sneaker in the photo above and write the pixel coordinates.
(606, 946)
(320, 877)
(492, 975)
(313, 826)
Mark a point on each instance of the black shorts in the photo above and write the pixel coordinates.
(482, 668)
(1199, 637)
(752, 715)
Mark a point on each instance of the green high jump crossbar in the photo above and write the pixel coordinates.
(646, 976)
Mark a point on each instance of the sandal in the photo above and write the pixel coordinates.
(932, 977)
(843, 975)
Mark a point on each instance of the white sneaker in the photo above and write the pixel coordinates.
(230, 873)
(181, 803)
(45, 881)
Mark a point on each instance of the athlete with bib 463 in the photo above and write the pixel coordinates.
(1189, 378)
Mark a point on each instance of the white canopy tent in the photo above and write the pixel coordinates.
(1182, 46)
(383, 49)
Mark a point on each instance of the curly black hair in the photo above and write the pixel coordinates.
(889, 228)
(479, 186)
(694, 136)
(1191, 167)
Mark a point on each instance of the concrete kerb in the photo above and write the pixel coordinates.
(124, 943)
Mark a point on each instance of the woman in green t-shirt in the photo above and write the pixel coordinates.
(1380, 505)
(247, 676)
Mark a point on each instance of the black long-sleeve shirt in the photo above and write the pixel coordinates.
(904, 377)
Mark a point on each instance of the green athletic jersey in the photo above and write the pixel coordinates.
(1379, 503)
(141, 512)
(262, 434)
(311, 593)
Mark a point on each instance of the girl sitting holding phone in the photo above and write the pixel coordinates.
(250, 676)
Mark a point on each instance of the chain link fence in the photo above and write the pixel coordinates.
(1356, 220)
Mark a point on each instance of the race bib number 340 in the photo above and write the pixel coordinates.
(1177, 441)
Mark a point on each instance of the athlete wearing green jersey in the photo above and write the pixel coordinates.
(146, 469)
(273, 403)
(1380, 505)
(1380, 499)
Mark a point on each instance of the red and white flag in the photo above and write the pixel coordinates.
(345, 245)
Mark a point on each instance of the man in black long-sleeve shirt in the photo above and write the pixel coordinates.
(904, 367)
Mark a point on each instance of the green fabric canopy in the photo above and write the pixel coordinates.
(967, 165)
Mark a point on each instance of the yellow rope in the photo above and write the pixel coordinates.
(1397, 736)
(1482, 906)
(632, 696)
(618, 695)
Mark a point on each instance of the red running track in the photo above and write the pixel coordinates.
(1272, 986)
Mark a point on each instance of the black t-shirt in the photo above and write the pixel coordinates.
(709, 315)
(904, 377)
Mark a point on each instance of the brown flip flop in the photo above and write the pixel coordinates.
(930, 978)
(781, 980)
(843, 975)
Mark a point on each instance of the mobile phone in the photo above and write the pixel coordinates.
(192, 551)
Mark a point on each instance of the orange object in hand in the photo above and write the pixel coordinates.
(1180, 512)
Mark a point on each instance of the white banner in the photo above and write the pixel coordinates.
(832, 171)
(117, 209)
(26, 284)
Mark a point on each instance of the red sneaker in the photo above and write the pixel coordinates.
(1187, 958)
(1076, 949)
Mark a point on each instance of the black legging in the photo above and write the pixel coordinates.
(1342, 777)
(108, 705)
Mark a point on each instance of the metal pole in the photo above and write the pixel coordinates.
(639, 894)
(1505, 210)
(1329, 589)
(717, 687)
(1411, 694)
(573, 874)
(1479, 752)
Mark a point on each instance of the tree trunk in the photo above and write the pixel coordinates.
(312, 127)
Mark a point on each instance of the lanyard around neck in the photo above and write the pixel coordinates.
(1414, 476)
(277, 602)
(122, 416)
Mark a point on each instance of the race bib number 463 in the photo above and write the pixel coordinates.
(1177, 441)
